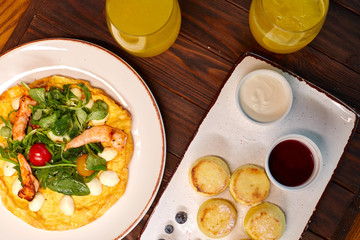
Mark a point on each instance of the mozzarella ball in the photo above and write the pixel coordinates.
(90, 104)
(37, 202)
(55, 138)
(77, 92)
(109, 178)
(67, 205)
(95, 187)
(108, 154)
(9, 169)
(16, 187)
(15, 103)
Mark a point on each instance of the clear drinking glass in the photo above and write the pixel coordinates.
(285, 26)
(144, 28)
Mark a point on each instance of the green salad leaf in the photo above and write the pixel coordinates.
(58, 111)
(99, 110)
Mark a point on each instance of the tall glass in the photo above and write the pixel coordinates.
(285, 26)
(144, 28)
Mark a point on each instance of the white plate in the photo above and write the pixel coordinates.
(105, 70)
(227, 133)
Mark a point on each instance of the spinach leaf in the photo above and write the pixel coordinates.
(66, 181)
(63, 125)
(42, 176)
(81, 116)
(72, 154)
(94, 162)
(91, 177)
(38, 94)
(86, 93)
(99, 110)
(56, 94)
(49, 121)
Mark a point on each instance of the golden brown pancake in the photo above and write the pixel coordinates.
(87, 208)
(209, 175)
(249, 185)
(216, 217)
(265, 221)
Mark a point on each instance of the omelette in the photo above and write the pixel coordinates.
(83, 138)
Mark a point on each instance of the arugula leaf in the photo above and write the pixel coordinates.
(72, 154)
(44, 138)
(38, 94)
(86, 93)
(94, 162)
(99, 110)
(91, 177)
(63, 125)
(7, 122)
(49, 121)
(81, 116)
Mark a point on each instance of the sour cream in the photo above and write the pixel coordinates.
(265, 96)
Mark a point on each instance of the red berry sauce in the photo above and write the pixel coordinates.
(291, 163)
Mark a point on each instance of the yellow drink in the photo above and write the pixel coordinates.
(285, 26)
(144, 28)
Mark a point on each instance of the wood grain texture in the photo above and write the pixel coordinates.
(352, 5)
(10, 14)
(186, 78)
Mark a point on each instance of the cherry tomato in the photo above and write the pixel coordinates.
(81, 166)
(39, 155)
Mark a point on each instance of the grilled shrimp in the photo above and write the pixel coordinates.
(29, 182)
(104, 133)
(22, 117)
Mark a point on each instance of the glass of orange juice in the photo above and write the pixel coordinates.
(285, 26)
(144, 28)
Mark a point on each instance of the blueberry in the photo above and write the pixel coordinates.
(181, 217)
(169, 229)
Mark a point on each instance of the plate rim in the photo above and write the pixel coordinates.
(160, 174)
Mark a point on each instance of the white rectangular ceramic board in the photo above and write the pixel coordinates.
(227, 133)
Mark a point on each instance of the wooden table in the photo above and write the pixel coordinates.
(185, 79)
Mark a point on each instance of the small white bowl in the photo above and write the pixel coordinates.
(317, 159)
(264, 96)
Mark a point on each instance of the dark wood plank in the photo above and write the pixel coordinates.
(194, 73)
(340, 36)
(347, 173)
(307, 235)
(21, 27)
(346, 228)
(309, 63)
(353, 5)
(185, 79)
(330, 210)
